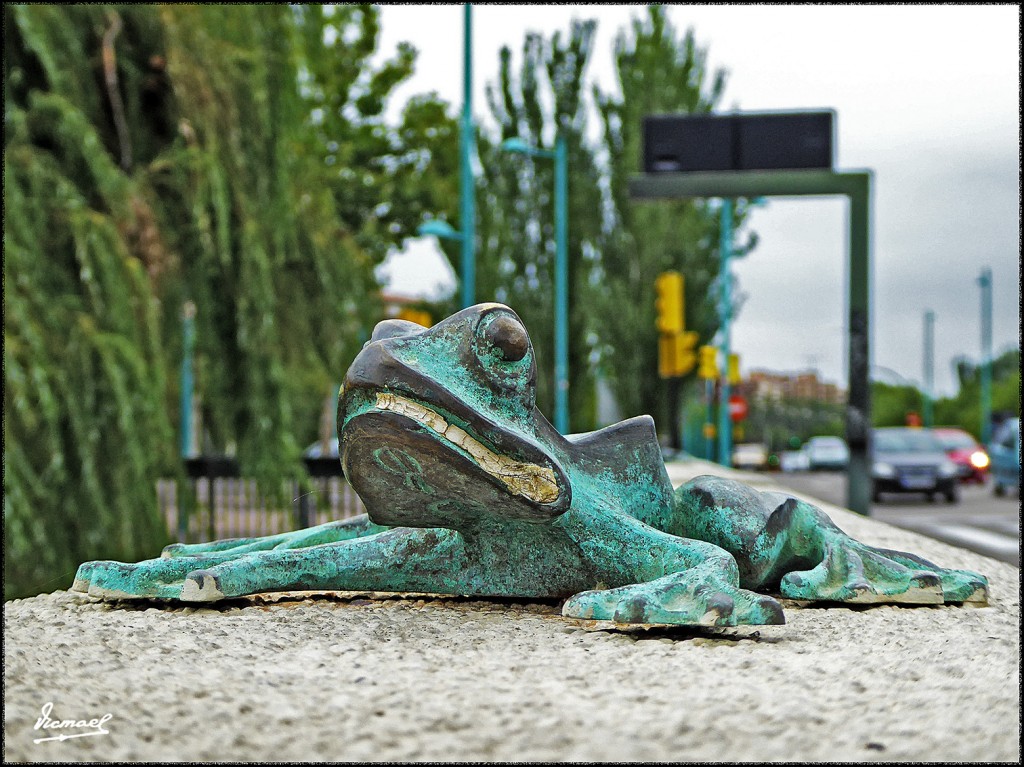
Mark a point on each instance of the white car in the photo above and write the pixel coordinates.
(750, 455)
(794, 460)
(827, 453)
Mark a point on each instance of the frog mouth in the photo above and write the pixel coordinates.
(529, 480)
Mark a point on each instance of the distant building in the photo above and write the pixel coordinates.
(764, 385)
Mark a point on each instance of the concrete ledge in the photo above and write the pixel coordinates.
(420, 679)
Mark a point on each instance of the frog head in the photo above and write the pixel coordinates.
(439, 426)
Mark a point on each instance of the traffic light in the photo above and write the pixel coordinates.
(708, 362)
(668, 303)
(733, 371)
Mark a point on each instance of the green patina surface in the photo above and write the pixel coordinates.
(471, 491)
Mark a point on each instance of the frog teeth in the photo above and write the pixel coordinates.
(536, 483)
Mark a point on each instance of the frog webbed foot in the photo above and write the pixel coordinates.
(707, 594)
(161, 578)
(853, 572)
(678, 602)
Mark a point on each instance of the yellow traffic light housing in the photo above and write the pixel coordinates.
(668, 303)
(676, 355)
(686, 354)
(733, 371)
(708, 362)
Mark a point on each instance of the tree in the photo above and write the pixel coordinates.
(964, 409)
(658, 72)
(155, 154)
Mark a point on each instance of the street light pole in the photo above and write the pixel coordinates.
(467, 212)
(929, 367)
(724, 311)
(561, 285)
(985, 281)
(560, 156)
(188, 343)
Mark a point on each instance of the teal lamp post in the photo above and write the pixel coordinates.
(188, 331)
(929, 369)
(439, 228)
(725, 313)
(467, 205)
(560, 156)
(985, 282)
(725, 318)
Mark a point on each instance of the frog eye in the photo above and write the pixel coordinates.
(508, 336)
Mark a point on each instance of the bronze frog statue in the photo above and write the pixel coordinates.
(471, 491)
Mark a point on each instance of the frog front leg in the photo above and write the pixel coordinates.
(398, 559)
(787, 545)
(151, 578)
(658, 578)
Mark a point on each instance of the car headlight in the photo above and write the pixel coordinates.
(884, 470)
(947, 469)
(979, 460)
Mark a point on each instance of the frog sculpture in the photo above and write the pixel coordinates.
(471, 491)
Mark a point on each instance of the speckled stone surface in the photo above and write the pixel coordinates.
(420, 679)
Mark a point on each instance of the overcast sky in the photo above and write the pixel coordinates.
(927, 98)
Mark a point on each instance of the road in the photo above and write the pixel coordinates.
(980, 522)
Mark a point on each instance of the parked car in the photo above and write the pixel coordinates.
(794, 460)
(1004, 450)
(750, 455)
(827, 453)
(911, 460)
(963, 450)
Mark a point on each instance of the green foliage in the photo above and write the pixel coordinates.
(964, 409)
(659, 72)
(890, 404)
(234, 156)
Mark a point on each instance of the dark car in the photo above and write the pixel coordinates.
(963, 450)
(908, 460)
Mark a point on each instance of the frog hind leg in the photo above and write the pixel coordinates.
(787, 545)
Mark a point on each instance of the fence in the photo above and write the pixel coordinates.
(228, 506)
